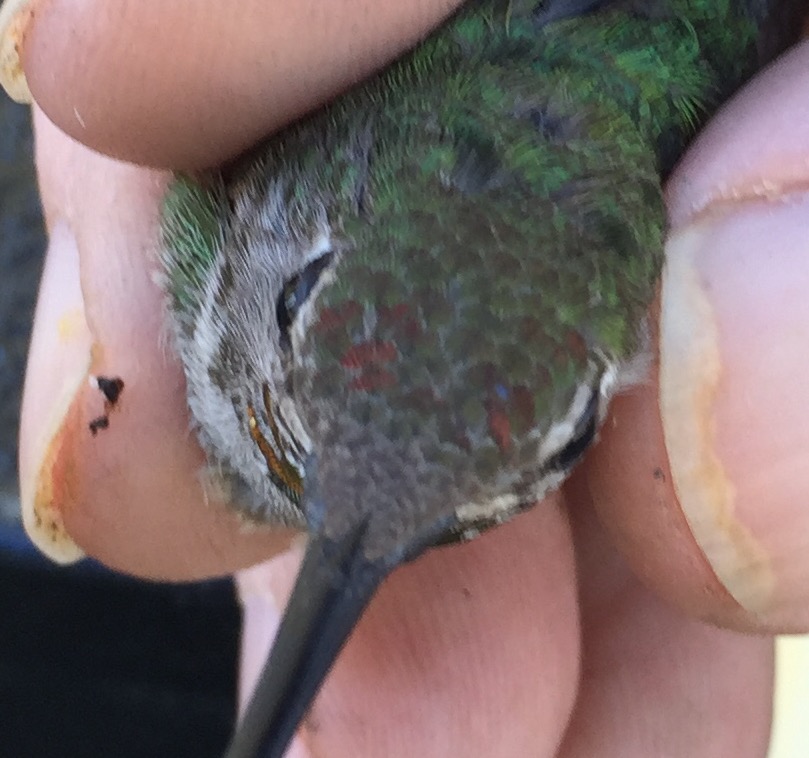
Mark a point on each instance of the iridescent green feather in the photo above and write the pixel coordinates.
(560, 136)
(504, 164)
(192, 233)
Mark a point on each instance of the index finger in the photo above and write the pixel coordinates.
(164, 85)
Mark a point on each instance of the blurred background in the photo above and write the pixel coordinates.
(91, 663)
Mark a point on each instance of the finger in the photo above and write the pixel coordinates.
(709, 506)
(471, 650)
(654, 681)
(235, 73)
(129, 494)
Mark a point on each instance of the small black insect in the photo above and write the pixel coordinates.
(97, 424)
(111, 388)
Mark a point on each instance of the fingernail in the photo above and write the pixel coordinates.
(690, 373)
(58, 365)
(733, 378)
(264, 590)
(15, 19)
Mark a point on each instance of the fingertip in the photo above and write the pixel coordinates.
(58, 362)
(15, 18)
(102, 73)
(124, 476)
(702, 486)
(733, 379)
(737, 275)
(715, 517)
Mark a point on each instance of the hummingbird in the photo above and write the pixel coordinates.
(402, 318)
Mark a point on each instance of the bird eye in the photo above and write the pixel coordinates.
(583, 435)
(296, 291)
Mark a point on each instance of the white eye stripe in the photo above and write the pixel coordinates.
(562, 432)
(320, 247)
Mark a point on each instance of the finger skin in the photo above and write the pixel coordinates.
(162, 84)
(654, 681)
(442, 664)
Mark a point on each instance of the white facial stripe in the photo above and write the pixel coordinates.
(502, 506)
(307, 311)
(561, 433)
(320, 246)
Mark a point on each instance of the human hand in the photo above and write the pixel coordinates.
(537, 639)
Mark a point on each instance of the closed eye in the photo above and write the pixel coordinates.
(296, 292)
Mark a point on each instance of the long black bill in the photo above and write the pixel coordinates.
(334, 585)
